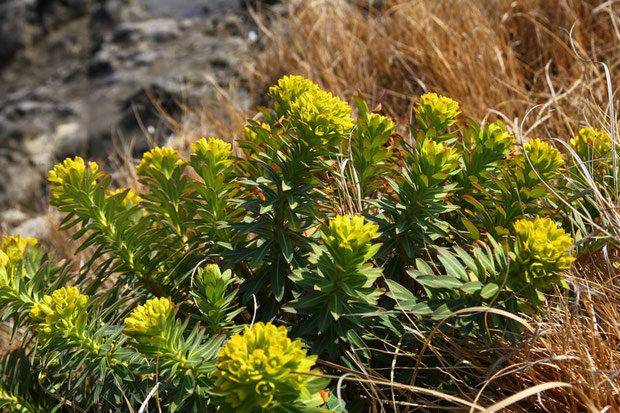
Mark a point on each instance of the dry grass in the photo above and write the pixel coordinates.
(578, 342)
(498, 58)
(500, 55)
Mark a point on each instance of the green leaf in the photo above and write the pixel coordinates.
(286, 186)
(422, 309)
(285, 246)
(471, 228)
(441, 281)
(399, 293)
(335, 306)
(489, 290)
(466, 258)
(452, 266)
(278, 278)
(324, 319)
(441, 312)
(472, 287)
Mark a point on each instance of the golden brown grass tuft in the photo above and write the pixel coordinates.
(501, 54)
(577, 342)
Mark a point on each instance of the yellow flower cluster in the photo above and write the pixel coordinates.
(12, 250)
(436, 111)
(496, 138)
(63, 313)
(250, 134)
(6, 274)
(130, 199)
(349, 238)
(591, 143)
(541, 251)
(14, 246)
(159, 159)
(323, 112)
(73, 172)
(325, 117)
(63, 172)
(149, 320)
(213, 150)
(289, 88)
(386, 123)
(376, 121)
(546, 159)
(262, 368)
(438, 160)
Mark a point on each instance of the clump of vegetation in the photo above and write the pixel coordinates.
(350, 238)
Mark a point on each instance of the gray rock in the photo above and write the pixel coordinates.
(24, 21)
(146, 57)
(17, 27)
(20, 181)
(13, 217)
(37, 227)
(230, 24)
(104, 75)
(155, 30)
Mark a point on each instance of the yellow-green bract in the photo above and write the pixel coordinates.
(436, 111)
(546, 159)
(591, 143)
(162, 159)
(262, 368)
(350, 235)
(149, 320)
(63, 313)
(14, 246)
(213, 149)
(73, 172)
(541, 251)
(321, 118)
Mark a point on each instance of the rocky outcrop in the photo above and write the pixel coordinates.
(77, 75)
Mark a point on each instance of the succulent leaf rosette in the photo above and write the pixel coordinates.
(436, 111)
(349, 239)
(261, 369)
(72, 172)
(160, 159)
(541, 252)
(61, 314)
(591, 143)
(545, 159)
(214, 151)
(149, 324)
(320, 118)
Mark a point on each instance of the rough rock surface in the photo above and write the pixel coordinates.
(77, 76)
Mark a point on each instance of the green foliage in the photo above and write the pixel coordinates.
(215, 298)
(591, 143)
(263, 370)
(339, 230)
(540, 253)
(436, 112)
(338, 283)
